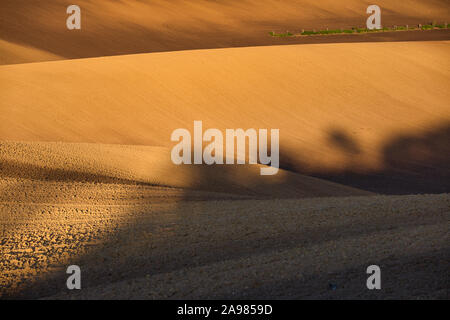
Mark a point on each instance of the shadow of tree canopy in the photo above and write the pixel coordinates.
(344, 141)
(412, 164)
(149, 244)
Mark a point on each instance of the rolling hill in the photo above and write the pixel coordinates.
(132, 26)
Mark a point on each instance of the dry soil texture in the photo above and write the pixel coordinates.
(371, 115)
(33, 31)
(134, 241)
(86, 176)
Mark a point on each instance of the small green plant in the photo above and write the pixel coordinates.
(430, 26)
(287, 34)
(427, 27)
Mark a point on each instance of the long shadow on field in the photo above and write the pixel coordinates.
(22, 170)
(418, 276)
(412, 164)
(153, 237)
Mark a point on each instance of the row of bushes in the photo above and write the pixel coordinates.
(361, 30)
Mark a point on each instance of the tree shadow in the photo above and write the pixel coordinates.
(411, 163)
(422, 275)
(343, 141)
(154, 235)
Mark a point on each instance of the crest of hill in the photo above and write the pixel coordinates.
(100, 163)
(132, 26)
(338, 106)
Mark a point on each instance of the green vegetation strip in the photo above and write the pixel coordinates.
(360, 30)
